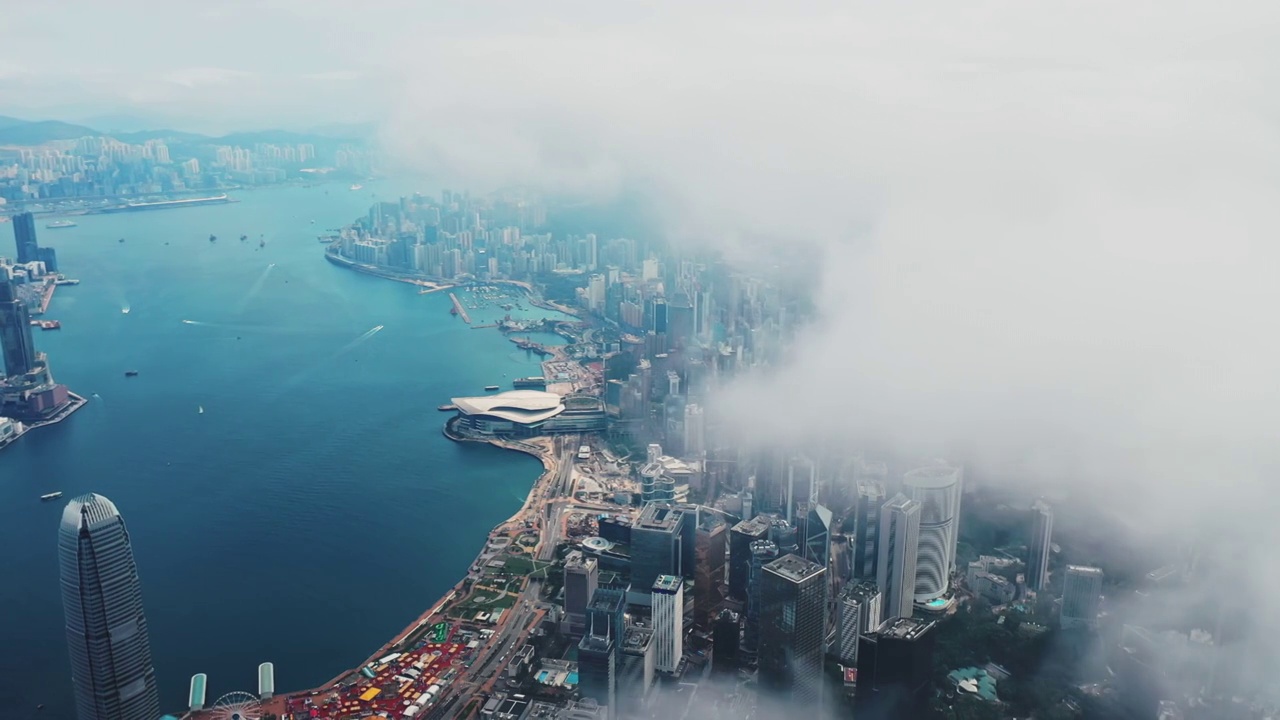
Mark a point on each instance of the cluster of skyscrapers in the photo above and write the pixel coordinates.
(95, 166)
(28, 392)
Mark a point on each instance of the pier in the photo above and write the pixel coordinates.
(461, 311)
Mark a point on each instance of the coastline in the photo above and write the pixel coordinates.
(438, 609)
(76, 402)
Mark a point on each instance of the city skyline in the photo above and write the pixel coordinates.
(967, 309)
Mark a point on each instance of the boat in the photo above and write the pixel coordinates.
(56, 224)
(124, 310)
(243, 238)
(357, 186)
(51, 496)
(200, 409)
(447, 408)
(131, 373)
(490, 388)
(262, 243)
(122, 240)
(50, 325)
(453, 310)
(212, 238)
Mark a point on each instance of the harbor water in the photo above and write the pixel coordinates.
(278, 457)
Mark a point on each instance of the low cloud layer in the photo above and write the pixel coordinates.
(1047, 231)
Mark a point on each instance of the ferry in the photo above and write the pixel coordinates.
(490, 388)
(51, 496)
(49, 324)
(131, 373)
(357, 186)
(56, 224)
(124, 310)
(447, 408)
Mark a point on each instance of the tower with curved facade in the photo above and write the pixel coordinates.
(106, 630)
(937, 488)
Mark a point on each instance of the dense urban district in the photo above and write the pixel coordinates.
(658, 568)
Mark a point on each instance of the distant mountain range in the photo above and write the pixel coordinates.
(15, 131)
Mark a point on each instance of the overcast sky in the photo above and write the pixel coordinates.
(1050, 228)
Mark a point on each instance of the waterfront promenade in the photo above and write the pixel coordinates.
(484, 664)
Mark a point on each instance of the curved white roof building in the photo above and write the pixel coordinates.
(519, 406)
(937, 488)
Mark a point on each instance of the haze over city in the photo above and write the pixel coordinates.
(1034, 243)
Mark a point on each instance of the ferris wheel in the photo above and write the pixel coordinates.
(237, 706)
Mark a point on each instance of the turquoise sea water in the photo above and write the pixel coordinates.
(313, 509)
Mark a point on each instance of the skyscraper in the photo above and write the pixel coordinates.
(24, 233)
(740, 539)
(668, 621)
(937, 489)
(763, 552)
(581, 575)
(858, 612)
(656, 547)
(106, 629)
(1041, 541)
(802, 486)
(817, 535)
(1081, 594)
(15, 329)
(598, 650)
(793, 625)
(895, 663)
(866, 529)
(896, 566)
(708, 565)
(725, 638)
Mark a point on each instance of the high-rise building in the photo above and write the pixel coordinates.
(107, 638)
(725, 639)
(937, 489)
(895, 664)
(858, 612)
(694, 430)
(656, 547)
(817, 535)
(15, 329)
(1081, 595)
(708, 563)
(581, 575)
(1038, 548)
(637, 664)
(597, 670)
(865, 545)
(763, 552)
(24, 233)
(740, 539)
(793, 625)
(606, 615)
(668, 621)
(896, 566)
(802, 486)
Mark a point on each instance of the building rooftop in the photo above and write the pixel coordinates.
(860, 591)
(794, 568)
(595, 643)
(636, 639)
(757, 526)
(932, 476)
(903, 628)
(524, 406)
(657, 516)
(667, 583)
(1084, 570)
(575, 561)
